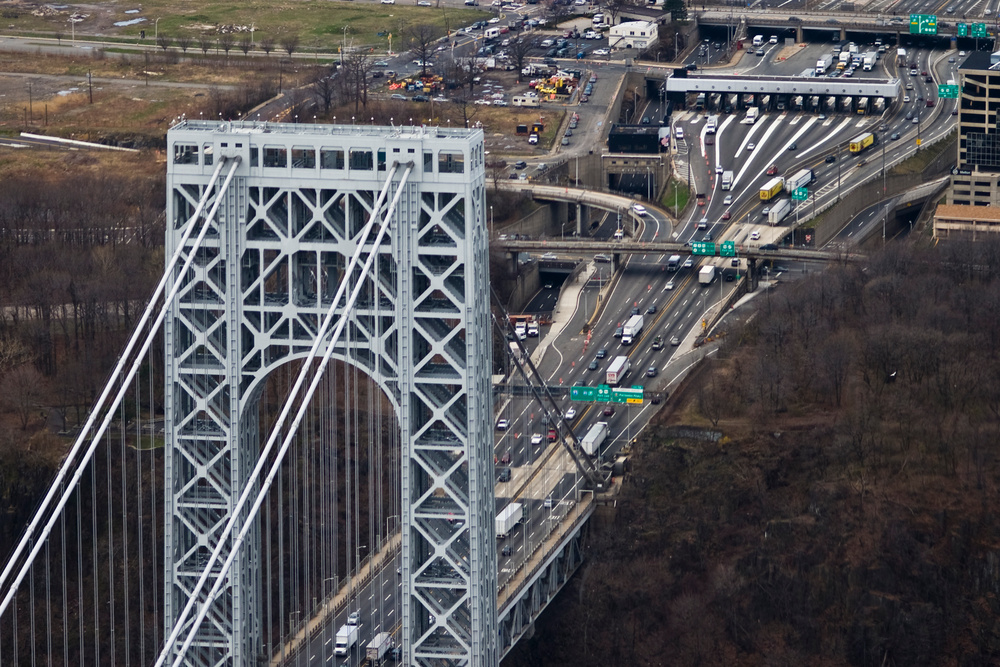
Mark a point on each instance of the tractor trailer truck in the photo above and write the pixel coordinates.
(509, 517)
(778, 211)
(617, 370)
(378, 647)
(591, 443)
(631, 329)
(706, 275)
(347, 637)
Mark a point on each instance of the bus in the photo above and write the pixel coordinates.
(772, 188)
(699, 102)
(863, 141)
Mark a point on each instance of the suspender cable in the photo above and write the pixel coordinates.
(276, 428)
(317, 376)
(109, 416)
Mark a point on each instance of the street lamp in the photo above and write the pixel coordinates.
(156, 30)
(492, 229)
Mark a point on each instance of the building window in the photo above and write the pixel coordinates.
(303, 158)
(254, 156)
(185, 154)
(275, 156)
(451, 163)
(331, 158)
(983, 150)
(428, 162)
(362, 160)
(208, 153)
(381, 160)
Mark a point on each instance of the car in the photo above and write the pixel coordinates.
(532, 139)
(754, 235)
(658, 343)
(602, 353)
(691, 67)
(928, 79)
(593, 365)
(601, 52)
(924, 73)
(421, 98)
(618, 332)
(654, 399)
(916, 120)
(512, 175)
(380, 63)
(550, 255)
(952, 59)
(751, 146)
(548, 286)
(502, 424)
(909, 115)
(913, 71)
(354, 618)
(651, 309)
(906, 98)
(651, 372)
(639, 209)
(909, 85)
(792, 146)
(894, 136)
(773, 40)
(635, 310)
(675, 341)
(689, 262)
(772, 170)
(830, 159)
(769, 246)
(930, 102)
(760, 52)
(961, 54)
(679, 132)
(520, 164)
(609, 411)
(645, 120)
(730, 277)
(536, 438)
(822, 116)
(707, 237)
(669, 285)
(569, 414)
(728, 200)
(719, 169)
(602, 259)
(954, 112)
(726, 214)
(388, 2)
(565, 141)
(397, 96)
(505, 458)
(568, 132)
(507, 550)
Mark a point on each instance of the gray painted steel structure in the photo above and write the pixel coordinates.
(785, 86)
(286, 227)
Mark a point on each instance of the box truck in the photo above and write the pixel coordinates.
(674, 263)
(591, 443)
(509, 517)
(706, 275)
(617, 370)
(772, 188)
(631, 329)
(753, 113)
(778, 211)
(347, 637)
(727, 179)
(862, 141)
(379, 647)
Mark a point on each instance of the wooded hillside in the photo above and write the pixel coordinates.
(845, 514)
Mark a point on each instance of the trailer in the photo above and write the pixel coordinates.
(778, 211)
(509, 517)
(378, 647)
(632, 329)
(591, 443)
(347, 637)
(800, 179)
(863, 141)
(706, 275)
(617, 370)
(753, 113)
(772, 188)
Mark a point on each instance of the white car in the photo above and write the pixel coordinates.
(773, 40)
(639, 209)
(689, 262)
(670, 285)
(619, 234)
(495, 19)
(601, 52)
(570, 414)
(388, 2)
(751, 146)
(754, 235)
(536, 439)
(718, 169)
(728, 200)
(502, 424)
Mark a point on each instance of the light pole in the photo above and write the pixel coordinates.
(492, 228)
(156, 30)
(343, 47)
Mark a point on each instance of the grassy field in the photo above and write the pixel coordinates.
(318, 25)
(677, 193)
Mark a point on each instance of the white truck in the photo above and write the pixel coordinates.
(901, 56)
(617, 370)
(711, 124)
(706, 275)
(533, 329)
(509, 517)
(347, 637)
(521, 329)
(758, 40)
(753, 113)
(869, 61)
(823, 64)
(727, 179)
(378, 647)
(515, 351)
(778, 211)
(591, 443)
(674, 263)
(799, 179)
(632, 329)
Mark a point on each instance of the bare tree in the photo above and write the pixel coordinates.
(245, 44)
(290, 43)
(204, 43)
(226, 41)
(518, 51)
(164, 41)
(324, 87)
(422, 38)
(356, 68)
(21, 392)
(267, 44)
(184, 42)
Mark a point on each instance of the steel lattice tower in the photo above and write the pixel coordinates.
(288, 221)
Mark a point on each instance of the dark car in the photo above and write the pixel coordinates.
(830, 159)
(769, 246)
(520, 164)
(651, 310)
(421, 98)
(601, 353)
(504, 475)
(692, 66)
(609, 411)
(619, 331)
(635, 310)
(507, 550)
(593, 365)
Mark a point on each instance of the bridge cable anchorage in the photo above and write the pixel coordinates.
(27, 536)
(587, 470)
(248, 520)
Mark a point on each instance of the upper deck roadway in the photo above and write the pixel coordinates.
(850, 21)
(663, 247)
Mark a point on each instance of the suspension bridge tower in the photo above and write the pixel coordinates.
(292, 207)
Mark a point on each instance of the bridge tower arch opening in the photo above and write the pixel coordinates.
(287, 225)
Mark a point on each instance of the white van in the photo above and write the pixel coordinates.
(679, 132)
(758, 40)
(491, 33)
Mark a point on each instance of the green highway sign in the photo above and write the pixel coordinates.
(606, 394)
(923, 24)
(946, 92)
(800, 194)
(702, 248)
(727, 249)
(963, 29)
(979, 31)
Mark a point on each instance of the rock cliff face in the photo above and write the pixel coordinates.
(845, 515)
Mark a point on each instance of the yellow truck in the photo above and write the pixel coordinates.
(772, 188)
(862, 141)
